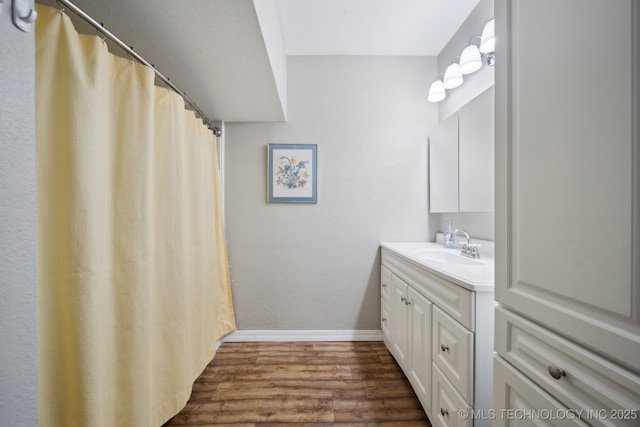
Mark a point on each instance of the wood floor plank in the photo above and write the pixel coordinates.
(350, 384)
(396, 387)
(277, 372)
(345, 359)
(374, 410)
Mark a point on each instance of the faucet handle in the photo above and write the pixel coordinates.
(470, 250)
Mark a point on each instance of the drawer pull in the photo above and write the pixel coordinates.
(444, 412)
(444, 347)
(556, 372)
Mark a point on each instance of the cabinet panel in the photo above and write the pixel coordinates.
(420, 339)
(453, 352)
(443, 166)
(476, 154)
(566, 150)
(515, 396)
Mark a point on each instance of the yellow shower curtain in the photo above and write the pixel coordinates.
(133, 281)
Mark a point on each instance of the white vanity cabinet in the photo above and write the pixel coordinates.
(440, 331)
(567, 204)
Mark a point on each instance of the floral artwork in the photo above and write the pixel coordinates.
(292, 173)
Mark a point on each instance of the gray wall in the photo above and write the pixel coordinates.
(18, 357)
(316, 266)
(479, 225)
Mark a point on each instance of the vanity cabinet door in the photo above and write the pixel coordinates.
(400, 331)
(420, 346)
(568, 168)
(386, 313)
(443, 166)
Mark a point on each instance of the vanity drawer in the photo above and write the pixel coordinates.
(575, 376)
(452, 352)
(385, 283)
(447, 404)
(515, 397)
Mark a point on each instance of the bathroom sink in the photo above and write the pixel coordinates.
(472, 274)
(445, 256)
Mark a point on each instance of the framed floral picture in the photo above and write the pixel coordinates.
(292, 173)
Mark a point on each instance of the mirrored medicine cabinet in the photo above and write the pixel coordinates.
(461, 159)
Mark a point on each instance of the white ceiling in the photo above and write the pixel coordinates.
(370, 27)
(224, 53)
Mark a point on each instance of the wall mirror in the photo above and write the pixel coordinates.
(461, 159)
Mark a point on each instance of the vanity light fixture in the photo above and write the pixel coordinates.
(470, 62)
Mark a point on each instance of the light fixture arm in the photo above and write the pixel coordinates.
(473, 38)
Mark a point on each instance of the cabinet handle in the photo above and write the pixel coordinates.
(407, 302)
(384, 319)
(384, 285)
(444, 412)
(556, 372)
(403, 299)
(444, 347)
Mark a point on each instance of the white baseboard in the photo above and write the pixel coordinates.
(300, 335)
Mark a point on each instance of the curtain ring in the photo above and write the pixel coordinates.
(101, 36)
(131, 58)
(60, 7)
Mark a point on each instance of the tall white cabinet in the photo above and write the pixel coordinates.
(568, 207)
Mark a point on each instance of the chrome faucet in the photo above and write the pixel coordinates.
(466, 234)
(468, 250)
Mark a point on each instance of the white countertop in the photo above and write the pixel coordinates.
(475, 275)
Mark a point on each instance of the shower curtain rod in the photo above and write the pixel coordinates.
(102, 29)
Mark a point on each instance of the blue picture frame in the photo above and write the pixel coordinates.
(292, 173)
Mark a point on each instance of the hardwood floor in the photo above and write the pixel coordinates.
(302, 384)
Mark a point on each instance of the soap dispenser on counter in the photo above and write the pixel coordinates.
(449, 241)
